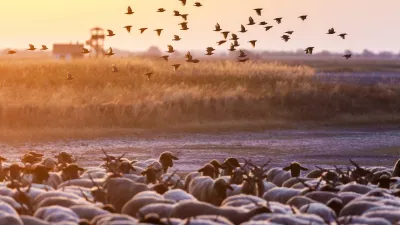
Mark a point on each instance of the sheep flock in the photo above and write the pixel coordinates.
(40, 191)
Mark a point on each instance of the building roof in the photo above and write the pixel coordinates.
(67, 48)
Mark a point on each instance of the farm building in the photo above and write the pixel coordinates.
(67, 51)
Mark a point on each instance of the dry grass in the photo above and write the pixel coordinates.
(208, 95)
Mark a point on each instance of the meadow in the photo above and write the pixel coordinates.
(36, 97)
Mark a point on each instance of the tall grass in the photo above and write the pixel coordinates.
(36, 94)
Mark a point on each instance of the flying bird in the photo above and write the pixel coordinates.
(343, 36)
(347, 56)
(236, 43)
(161, 10)
(176, 13)
(258, 11)
(159, 31)
(251, 21)
(69, 76)
(263, 23)
(331, 31)
(129, 12)
(128, 28)
(110, 52)
(176, 66)
(189, 57)
(170, 49)
(242, 54)
(225, 33)
(232, 48)
(243, 29)
(253, 43)
(148, 75)
(142, 30)
(210, 51)
(267, 28)
(184, 26)
(278, 20)
(217, 27)
(165, 57)
(198, 4)
(31, 48)
(303, 17)
(184, 16)
(234, 37)
(221, 42)
(110, 33)
(242, 60)
(289, 32)
(44, 48)
(176, 38)
(85, 51)
(309, 50)
(11, 52)
(114, 68)
(286, 38)
(183, 2)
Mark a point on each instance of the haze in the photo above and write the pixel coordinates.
(368, 23)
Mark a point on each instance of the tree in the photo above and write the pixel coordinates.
(154, 51)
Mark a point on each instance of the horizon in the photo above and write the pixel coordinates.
(54, 22)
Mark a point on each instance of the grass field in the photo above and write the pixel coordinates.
(212, 95)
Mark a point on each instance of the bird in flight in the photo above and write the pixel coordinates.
(309, 50)
(176, 13)
(176, 38)
(142, 30)
(253, 43)
(128, 28)
(236, 43)
(11, 52)
(225, 33)
(267, 28)
(114, 68)
(184, 26)
(234, 37)
(232, 48)
(69, 76)
(210, 51)
(198, 4)
(217, 27)
(331, 31)
(183, 2)
(285, 37)
(110, 52)
(347, 56)
(243, 29)
(31, 47)
(176, 66)
(110, 33)
(303, 17)
(242, 54)
(262, 23)
(85, 51)
(184, 16)
(170, 49)
(343, 36)
(165, 57)
(129, 12)
(258, 11)
(221, 42)
(159, 31)
(278, 20)
(242, 60)
(161, 10)
(251, 21)
(148, 75)
(44, 48)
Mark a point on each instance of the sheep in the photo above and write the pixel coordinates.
(65, 158)
(54, 214)
(133, 206)
(162, 164)
(278, 176)
(209, 190)
(396, 169)
(229, 165)
(109, 219)
(217, 165)
(178, 195)
(295, 169)
(163, 210)
(2, 172)
(321, 210)
(8, 215)
(33, 220)
(353, 220)
(88, 211)
(207, 170)
(188, 209)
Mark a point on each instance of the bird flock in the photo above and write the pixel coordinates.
(242, 57)
(44, 190)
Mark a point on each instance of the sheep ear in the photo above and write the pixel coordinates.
(81, 169)
(222, 166)
(143, 173)
(201, 170)
(393, 180)
(132, 168)
(229, 187)
(303, 168)
(287, 168)
(174, 157)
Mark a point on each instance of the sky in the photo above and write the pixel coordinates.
(370, 24)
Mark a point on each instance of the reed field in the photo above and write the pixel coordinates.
(212, 95)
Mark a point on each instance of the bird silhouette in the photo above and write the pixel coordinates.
(198, 4)
(258, 11)
(161, 10)
(85, 51)
(267, 28)
(184, 26)
(286, 38)
(129, 12)
(176, 13)
(225, 33)
(69, 76)
(331, 31)
(11, 52)
(165, 57)
(159, 31)
(110, 33)
(188, 57)
(183, 2)
(234, 37)
(289, 32)
(263, 23)
(221, 42)
(253, 43)
(232, 48)
(303, 17)
(128, 28)
(242, 60)
(278, 20)
(236, 43)
(347, 56)
(184, 16)
(142, 30)
(170, 49)
(217, 27)
(309, 50)
(110, 52)
(114, 68)
(176, 66)
(31, 47)
(242, 54)
(176, 38)
(343, 36)
(242, 29)
(251, 21)
(148, 75)
(44, 48)
(210, 51)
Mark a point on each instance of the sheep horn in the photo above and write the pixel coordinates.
(170, 177)
(266, 164)
(355, 164)
(94, 183)
(122, 156)
(105, 153)
(84, 195)
(304, 183)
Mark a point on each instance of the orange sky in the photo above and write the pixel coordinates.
(370, 24)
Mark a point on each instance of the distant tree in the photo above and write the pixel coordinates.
(367, 53)
(325, 53)
(154, 51)
(386, 55)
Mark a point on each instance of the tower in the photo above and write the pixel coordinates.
(96, 41)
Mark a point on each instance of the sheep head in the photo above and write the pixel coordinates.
(65, 158)
(14, 171)
(32, 159)
(39, 173)
(220, 186)
(71, 172)
(151, 174)
(126, 167)
(295, 169)
(207, 170)
(396, 169)
(23, 198)
(2, 159)
(166, 160)
(217, 166)
(229, 165)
